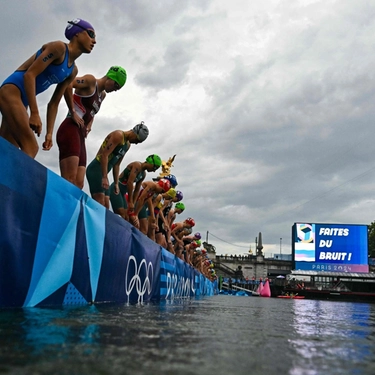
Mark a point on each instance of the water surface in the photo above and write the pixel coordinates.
(218, 335)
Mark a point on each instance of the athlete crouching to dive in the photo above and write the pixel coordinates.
(139, 217)
(52, 64)
(179, 230)
(88, 96)
(189, 249)
(159, 202)
(109, 156)
(163, 232)
(129, 184)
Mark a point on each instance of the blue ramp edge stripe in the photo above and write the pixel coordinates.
(73, 296)
(167, 266)
(94, 218)
(56, 241)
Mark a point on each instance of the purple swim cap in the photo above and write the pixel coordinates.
(76, 26)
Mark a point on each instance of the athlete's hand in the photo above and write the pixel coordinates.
(134, 220)
(35, 123)
(105, 183)
(47, 144)
(117, 189)
(78, 120)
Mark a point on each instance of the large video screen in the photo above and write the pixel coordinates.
(330, 247)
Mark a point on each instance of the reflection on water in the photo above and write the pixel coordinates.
(331, 334)
(221, 335)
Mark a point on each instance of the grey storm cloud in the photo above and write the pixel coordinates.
(173, 68)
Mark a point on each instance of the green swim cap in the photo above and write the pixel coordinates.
(117, 74)
(180, 206)
(154, 160)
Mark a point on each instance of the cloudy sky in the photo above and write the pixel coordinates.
(268, 105)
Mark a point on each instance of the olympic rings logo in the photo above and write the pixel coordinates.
(136, 281)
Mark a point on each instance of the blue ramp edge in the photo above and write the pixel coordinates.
(73, 296)
(60, 247)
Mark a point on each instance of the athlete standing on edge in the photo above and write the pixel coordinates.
(88, 96)
(51, 64)
(110, 155)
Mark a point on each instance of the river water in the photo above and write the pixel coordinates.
(223, 334)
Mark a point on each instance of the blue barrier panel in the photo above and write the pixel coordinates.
(20, 215)
(173, 279)
(58, 246)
